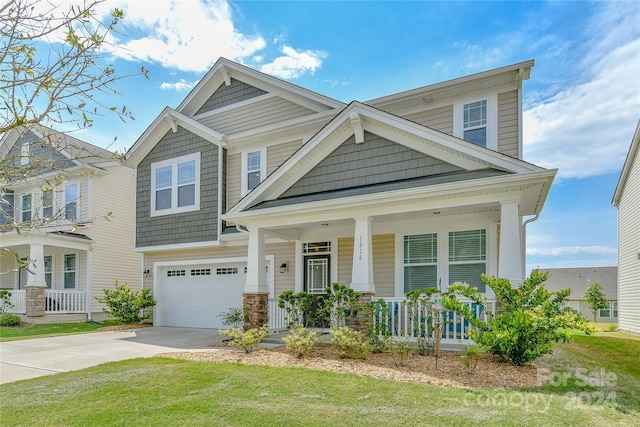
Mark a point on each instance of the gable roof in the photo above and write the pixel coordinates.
(356, 119)
(628, 165)
(222, 75)
(62, 151)
(579, 279)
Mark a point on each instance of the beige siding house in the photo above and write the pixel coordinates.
(627, 200)
(70, 222)
(578, 280)
(283, 189)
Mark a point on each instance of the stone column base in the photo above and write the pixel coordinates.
(360, 322)
(256, 310)
(35, 300)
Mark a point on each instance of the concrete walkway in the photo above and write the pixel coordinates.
(36, 357)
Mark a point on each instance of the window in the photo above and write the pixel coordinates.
(420, 261)
(573, 305)
(26, 207)
(175, 185)
(227, 270)
(175, 273)
(71, 195)
(48, 271)
(47, 205)
(24, 154)
(70, 270)
(253, 167)
(467, 257)
(475, 122)
(612, 311)
(201, 272)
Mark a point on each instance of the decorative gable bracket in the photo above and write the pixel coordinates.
(226, 76)
(358, 127)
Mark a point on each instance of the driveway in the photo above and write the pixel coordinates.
(36, 357)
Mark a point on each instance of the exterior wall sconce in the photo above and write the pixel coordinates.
(283, 267)
(146, 273)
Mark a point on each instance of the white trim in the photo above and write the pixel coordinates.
(174, 163)
(177, 246)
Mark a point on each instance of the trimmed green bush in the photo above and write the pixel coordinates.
(300, 341)
(349, 344)
(247, 340)
(8, 319)
(126, 305)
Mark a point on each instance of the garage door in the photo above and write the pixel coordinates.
(194, 296)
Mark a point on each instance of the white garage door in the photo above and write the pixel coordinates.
(193, 296)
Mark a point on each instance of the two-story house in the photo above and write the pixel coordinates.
(67, 215)
(253, 186)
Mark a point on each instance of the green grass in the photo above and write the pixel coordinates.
(168, 392)
(48, 330)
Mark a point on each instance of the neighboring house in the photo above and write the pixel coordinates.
(70, 220)
(578, 280)
(252, 175)
(627, 199)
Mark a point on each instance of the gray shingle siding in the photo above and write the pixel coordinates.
(187, 227)
(227, 95)
(375, 161)
(47, 157)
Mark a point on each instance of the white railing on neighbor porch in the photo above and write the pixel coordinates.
(455, 328)
(56, 302)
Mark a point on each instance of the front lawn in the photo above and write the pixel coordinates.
(48, 330)
(160, 391)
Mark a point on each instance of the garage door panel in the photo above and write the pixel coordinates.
(196, 296)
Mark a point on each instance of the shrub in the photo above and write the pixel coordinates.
(349, 344)
(378, 325)
(470, 357)
(233, 317)
(246, 340)
(126, 305)
(423, 314)
(531, 319)
(300, 341)
(342, 303)
(7, 319)
(303, 308)
(400, 350)
(5, 301)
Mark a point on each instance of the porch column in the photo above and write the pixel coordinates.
(36, 284)
(362, 270)
(256, 291)
(511, 252)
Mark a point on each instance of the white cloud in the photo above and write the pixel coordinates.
(585, 129)
(294, 63)
(564, 251)
(179, 86)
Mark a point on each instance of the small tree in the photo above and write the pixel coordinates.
(126, 305)
(596, 298)
(531, 319)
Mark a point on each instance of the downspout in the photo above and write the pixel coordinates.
(524, 241)
(89, 284)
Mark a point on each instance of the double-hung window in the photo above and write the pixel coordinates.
(26, 207)
(71, 196)
(175, 185)
(420, 261)
(70, 270)
(468, 257)
(48, 271)
(475, 122)
(47, 205)
(253, 170)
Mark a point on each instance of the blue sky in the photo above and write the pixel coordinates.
(581, 104)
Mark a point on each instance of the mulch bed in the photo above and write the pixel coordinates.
(420, 369)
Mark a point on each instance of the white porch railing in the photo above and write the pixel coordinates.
(455, 328)
(278, 317)
(66, 302)
(56, 302)
(19, 300)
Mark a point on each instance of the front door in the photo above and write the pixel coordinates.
(316, 273)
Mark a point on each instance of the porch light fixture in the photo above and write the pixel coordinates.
(283, 267)
(146, 273)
